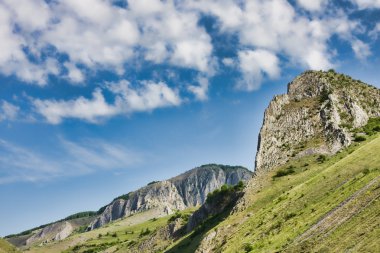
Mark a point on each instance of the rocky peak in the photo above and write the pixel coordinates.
(165, 197)
(317, 115)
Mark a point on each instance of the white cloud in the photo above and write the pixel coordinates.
(99, 155)
(81, 108)
(363, 4)
(254, 64)
(312, 5)
(200, 90)
(228, 62)
(375, 31)
(74, 74)
(21, 11)
(361, 49)
(8, 111)
(147, 97)
(275, 26)
(71, 159)
(12, 57)
(99, 35)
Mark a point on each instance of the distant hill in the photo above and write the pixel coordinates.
(178, 193)
(157, 199)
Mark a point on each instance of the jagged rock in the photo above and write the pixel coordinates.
(317, 115)
(186, 190)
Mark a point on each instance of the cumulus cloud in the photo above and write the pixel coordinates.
(74, 74)
(200, 90)
(229, 62)
(361, 49)
(99, 35)
(93, 35)
(363, 4)
(72, 159)
(276, 27)
(148, 96)
(312, 5)
(254, 64)
(8, 111)
(81, 108)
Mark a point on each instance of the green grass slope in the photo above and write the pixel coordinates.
(314, 204)
(117, 236)
(6, 247)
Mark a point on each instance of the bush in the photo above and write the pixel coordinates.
(153, 182)
(359, 138)
(321, 158)
(247, 247)
(144, 232)
(239, 186)
(225, 189)
(289, 216)
(284, 172)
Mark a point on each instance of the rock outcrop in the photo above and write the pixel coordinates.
(317, 115)
(186, 190)
(54, 232)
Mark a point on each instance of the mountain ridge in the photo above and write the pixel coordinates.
(186, 190)
(211, 177)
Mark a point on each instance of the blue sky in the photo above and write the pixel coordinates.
(100, 97)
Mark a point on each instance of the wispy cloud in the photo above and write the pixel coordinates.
(74, 159)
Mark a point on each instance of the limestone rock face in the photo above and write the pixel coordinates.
(186, 190)
(54, 232)
(317, 115)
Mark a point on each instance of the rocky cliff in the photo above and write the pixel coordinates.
(186, 190)
(317, 115)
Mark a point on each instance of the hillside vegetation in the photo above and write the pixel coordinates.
(311, 204)
(326, 204)
(6, 247)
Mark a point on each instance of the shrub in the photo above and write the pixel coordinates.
(321, 158)
(239, 186)
(153, 182)
(144, 232)
(359, 138)
(324, 95)
(247, 247)
(284, 172)
(289, 216)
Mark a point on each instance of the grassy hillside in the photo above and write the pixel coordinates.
(116, 236)
(6, 247)
(314, 204)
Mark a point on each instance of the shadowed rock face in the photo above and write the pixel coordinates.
(317, 115)
(186, 190)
